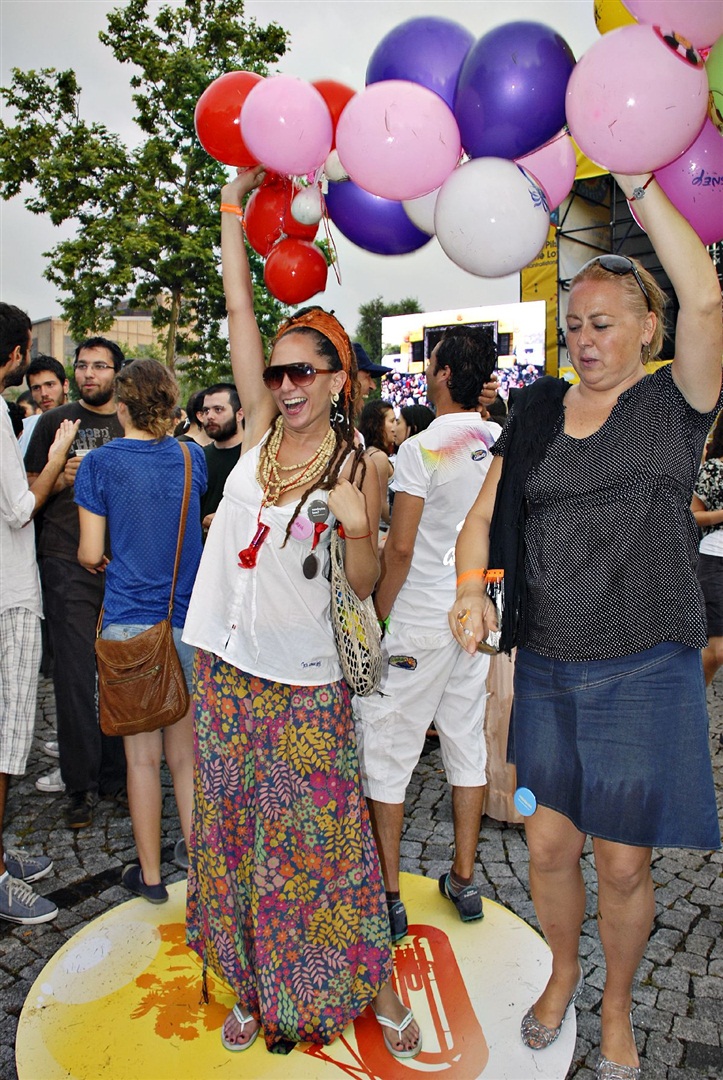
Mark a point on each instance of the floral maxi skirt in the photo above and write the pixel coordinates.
(285, 897)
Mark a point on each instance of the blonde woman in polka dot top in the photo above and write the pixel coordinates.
(609, 728)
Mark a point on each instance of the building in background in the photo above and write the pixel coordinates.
(132, 329)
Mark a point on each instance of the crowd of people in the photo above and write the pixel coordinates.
(290, 791)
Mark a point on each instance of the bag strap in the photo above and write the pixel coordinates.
(182, 521)
(181, 532)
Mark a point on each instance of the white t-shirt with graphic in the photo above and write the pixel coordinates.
(445, 465)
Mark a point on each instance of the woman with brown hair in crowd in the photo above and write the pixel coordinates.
(134, 487)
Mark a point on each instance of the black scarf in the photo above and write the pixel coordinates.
(529, 431)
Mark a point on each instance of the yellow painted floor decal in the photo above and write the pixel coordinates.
(122, 1001)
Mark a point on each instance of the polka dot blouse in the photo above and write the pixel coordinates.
(611, 544)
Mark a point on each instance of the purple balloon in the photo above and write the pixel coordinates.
(429, 51)
(511, 90)
(372, 223)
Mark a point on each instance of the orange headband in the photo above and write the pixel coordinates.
(329, 327)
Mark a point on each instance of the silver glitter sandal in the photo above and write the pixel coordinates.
(537, 1035)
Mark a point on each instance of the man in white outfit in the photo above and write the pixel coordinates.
(427, 678)
(20, 612)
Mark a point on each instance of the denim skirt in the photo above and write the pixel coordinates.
(620, 747)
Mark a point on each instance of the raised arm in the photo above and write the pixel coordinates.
(246, 347)
(696, 368)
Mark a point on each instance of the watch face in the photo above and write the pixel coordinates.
(638, 192)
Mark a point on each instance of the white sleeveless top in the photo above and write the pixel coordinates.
(269, 620)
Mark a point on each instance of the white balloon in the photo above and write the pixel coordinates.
(421, 211)
(308, 206)
(333, 168)
(491, 218)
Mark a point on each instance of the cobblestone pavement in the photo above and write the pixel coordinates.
(678, 995)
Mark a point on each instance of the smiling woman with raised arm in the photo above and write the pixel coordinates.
(609, 728)
(285, 897)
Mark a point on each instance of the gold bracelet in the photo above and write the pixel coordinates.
(470, 574)
(229, 208)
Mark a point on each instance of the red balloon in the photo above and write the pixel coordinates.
(337, 96)
(218, 118)
(268, 217)
(295, 270)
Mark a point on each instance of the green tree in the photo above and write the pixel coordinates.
(146, 216)
(369, 327)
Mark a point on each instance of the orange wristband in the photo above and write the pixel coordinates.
(471, 574)
(362, 537)
(229, 208)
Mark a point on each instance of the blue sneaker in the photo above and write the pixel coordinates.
(19, 904)
(468, 902)
(26, 867)
(132, 878)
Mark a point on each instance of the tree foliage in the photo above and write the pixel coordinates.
(369, 328)
(146, 216)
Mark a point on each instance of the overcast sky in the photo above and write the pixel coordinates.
(330, 39)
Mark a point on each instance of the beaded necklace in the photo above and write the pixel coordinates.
(269, 475)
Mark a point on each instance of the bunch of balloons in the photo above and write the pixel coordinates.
(470, 141)
(644, 99)
(288, 125)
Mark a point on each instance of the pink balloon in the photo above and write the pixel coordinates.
(694, 184)
(635, 101)
(398, 140)
(287, 126)
(700, 21)
(553, 165)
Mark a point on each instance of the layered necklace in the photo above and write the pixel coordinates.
(276, 479)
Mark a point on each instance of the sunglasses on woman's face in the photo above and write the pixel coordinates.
(620, 264)
(300, 374)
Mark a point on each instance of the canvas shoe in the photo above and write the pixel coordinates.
(19, 904)
(25, 867)
(50, 783)
(51, 748)
(132, 878)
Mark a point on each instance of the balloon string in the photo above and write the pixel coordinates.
(330, 240)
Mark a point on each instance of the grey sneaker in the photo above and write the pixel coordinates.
(19, 904)
(25, 867)
(51, 748)
(50, 783)
(180, 854)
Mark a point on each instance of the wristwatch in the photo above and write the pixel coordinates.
(639, 192)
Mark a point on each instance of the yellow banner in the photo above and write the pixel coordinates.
(538, 281)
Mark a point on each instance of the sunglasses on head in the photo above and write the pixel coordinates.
(300, 374)
(620, 264)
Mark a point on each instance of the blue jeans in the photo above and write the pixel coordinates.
(123, 631)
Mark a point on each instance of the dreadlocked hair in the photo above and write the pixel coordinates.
(342, 423)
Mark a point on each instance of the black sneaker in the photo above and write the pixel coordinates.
(397, 919)
(132, 878)
(468, 902)
(79, 813)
